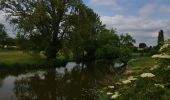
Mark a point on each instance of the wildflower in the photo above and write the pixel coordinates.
(118, 83)
(116, 94)
(164, 46)
(147, 75)
(131, 78)
(168, 67)
(126, 81)
(109, 93)
(154, 67)
(161, 56)
(101, 91)
(41, 76)
(111, 87)
(159, 85)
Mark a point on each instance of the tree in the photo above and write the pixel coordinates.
(82, 40)
(127, 40)
(107, 45)
(142, 45)
(160, 38)
(126, 47)
(44, 20)
(3, 36)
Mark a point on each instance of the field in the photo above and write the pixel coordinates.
(18, 57)
(142, 62)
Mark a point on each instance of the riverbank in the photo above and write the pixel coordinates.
(18, 60)
(144, 79)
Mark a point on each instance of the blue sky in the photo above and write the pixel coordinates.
(140, 18)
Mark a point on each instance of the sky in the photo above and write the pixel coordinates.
(140, 18)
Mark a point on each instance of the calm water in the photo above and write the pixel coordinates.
(72, 82)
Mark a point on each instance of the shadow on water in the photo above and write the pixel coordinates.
(74, 82)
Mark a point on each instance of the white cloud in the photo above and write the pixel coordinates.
(154, 9)
(103, 2)
(143, 29)
(107, 3)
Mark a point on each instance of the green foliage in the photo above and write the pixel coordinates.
(125, 54)
(5, 40)
(164, 56)
(142, 45)
(127, 41)
(56, 25)
(143, 89)
(33, 44)
(83, 38)
(108, 45)
(43, 24)
(107, 52)
(126, 48)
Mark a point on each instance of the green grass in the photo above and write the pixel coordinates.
(143, 62)
(141, 88)
(18, 57)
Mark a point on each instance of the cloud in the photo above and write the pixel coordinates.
(112, 4)
(103, 2)
(147, 10)
(155, 10)
(143, 29)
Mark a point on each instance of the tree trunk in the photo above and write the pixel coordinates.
(52, 50)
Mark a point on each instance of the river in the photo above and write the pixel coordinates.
(72, 82)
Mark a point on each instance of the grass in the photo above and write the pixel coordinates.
(140, 65)
(143, 62)
(18, 57)
(142, 88)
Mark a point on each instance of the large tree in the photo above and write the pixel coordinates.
(83, 39)
(126, 48)
(44, 22)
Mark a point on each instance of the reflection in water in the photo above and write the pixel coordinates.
(75, 83)
(6, 91)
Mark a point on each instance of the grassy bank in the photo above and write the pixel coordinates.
(16, 59)
(143, 79)
(13, 57)
(142, 62)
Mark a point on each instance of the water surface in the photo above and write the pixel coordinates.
(72, 82)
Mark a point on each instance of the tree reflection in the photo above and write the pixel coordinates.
(76, 84)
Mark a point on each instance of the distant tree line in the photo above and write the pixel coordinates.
(150, 50)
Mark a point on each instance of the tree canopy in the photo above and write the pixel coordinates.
(44, 20)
